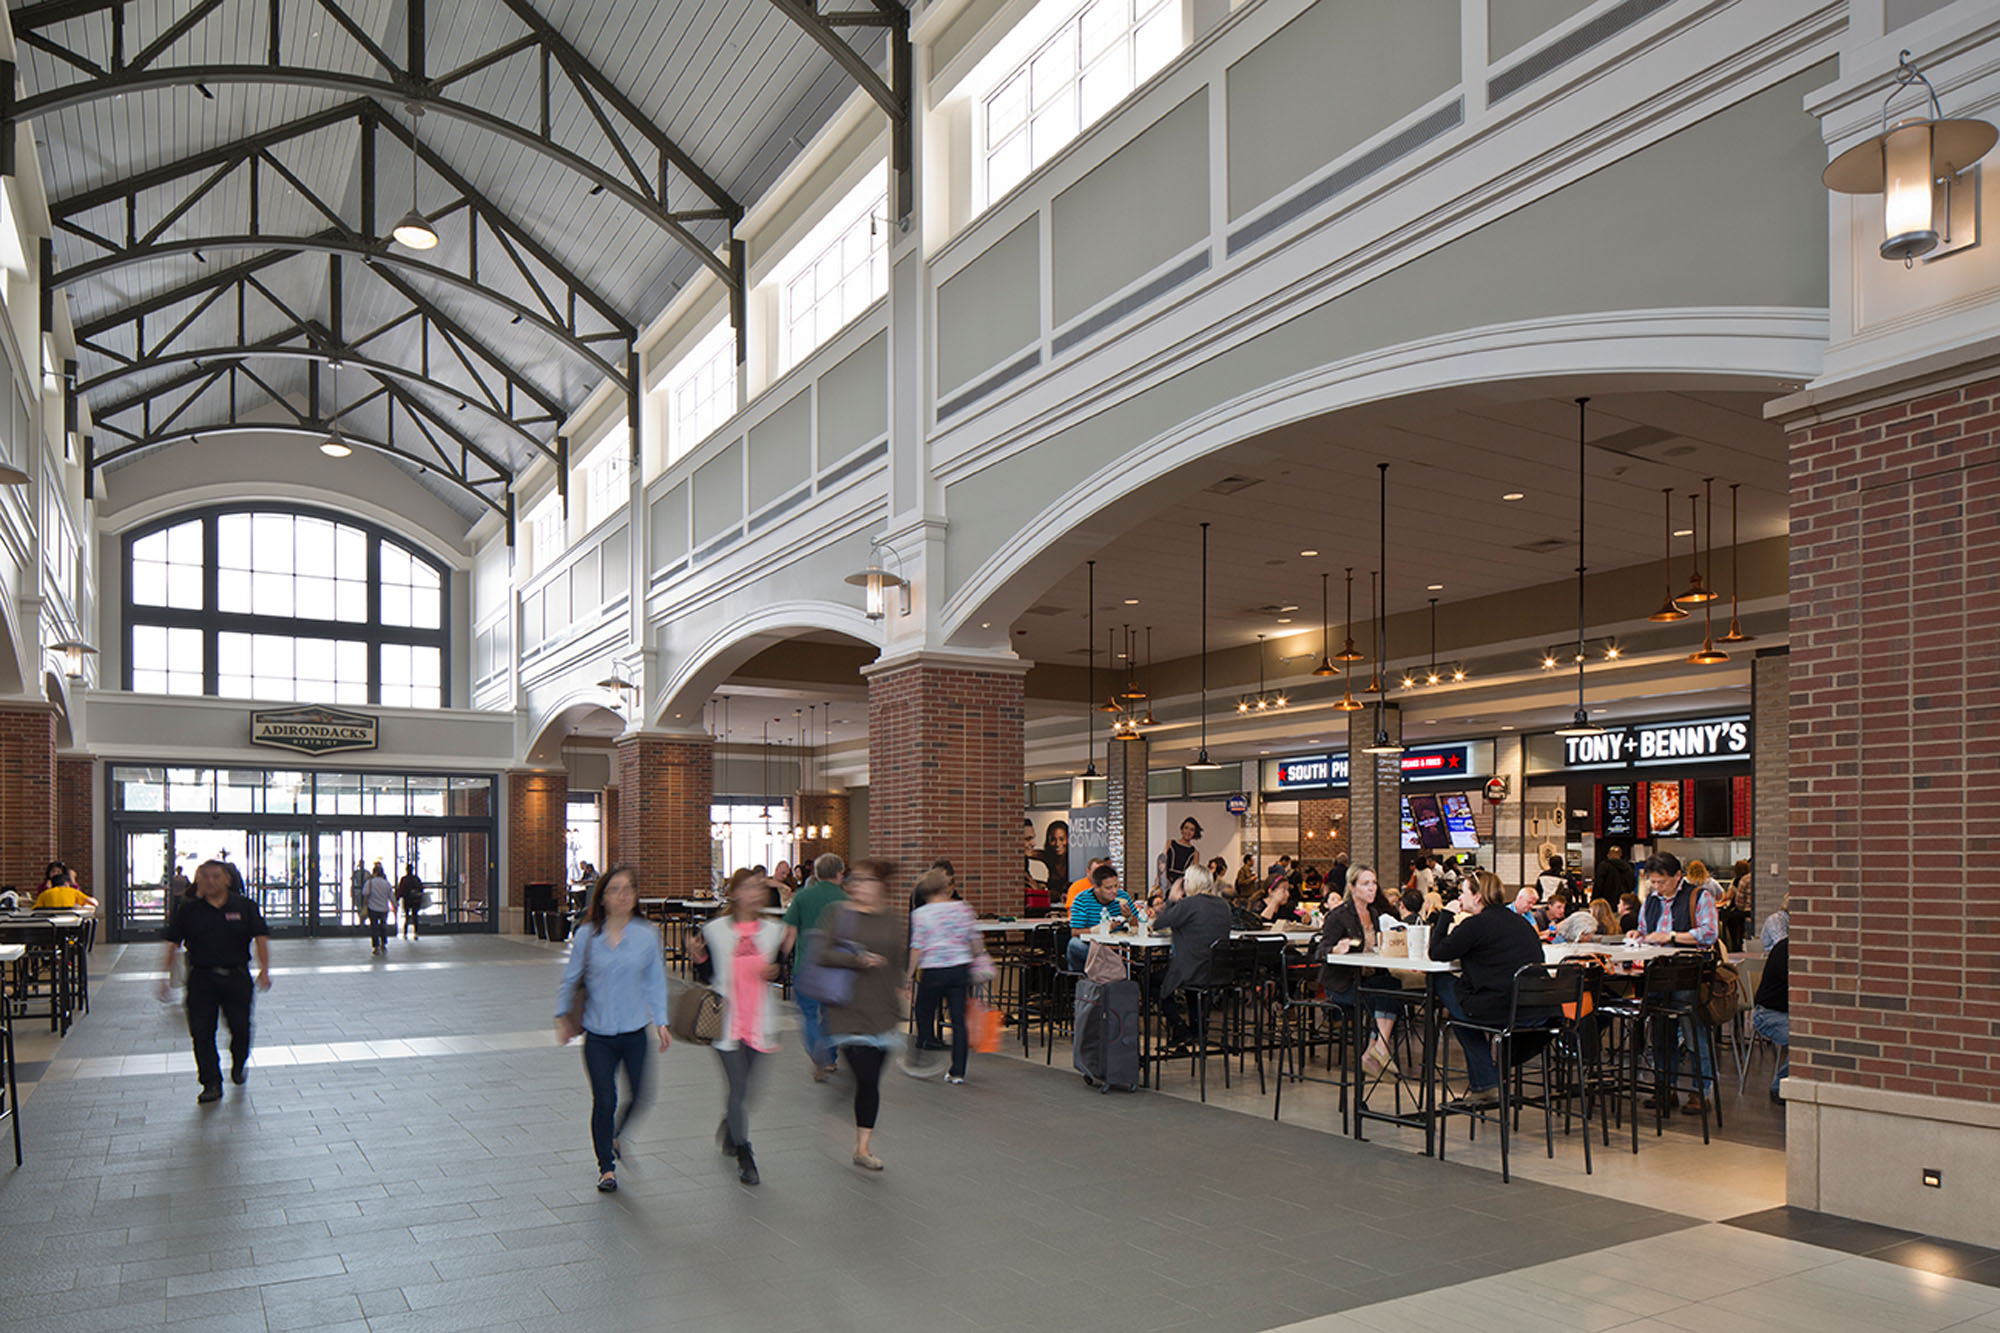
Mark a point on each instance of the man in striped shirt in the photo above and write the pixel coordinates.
(1090, 908)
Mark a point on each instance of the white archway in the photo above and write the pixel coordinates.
(1659, 346)
(563, 719)
(690, 681)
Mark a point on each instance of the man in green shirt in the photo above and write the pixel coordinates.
(808, 905)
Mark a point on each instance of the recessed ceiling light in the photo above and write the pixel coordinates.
(1507, 726)
(1684, 532)
(986, 624)
(1434, 587)
(1309, 554)
(1514, 495)
(1284, 620)
(1131, 601)
(1263, 752)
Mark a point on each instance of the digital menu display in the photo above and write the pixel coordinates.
(1410, 843)
(1663, 808)
(1619, 812)
(1429, 820)
(1458, 820)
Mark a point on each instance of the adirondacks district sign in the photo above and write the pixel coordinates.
(313, 730)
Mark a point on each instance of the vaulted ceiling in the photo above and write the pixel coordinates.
(224, 176)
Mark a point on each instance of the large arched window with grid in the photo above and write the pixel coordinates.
(285, 604)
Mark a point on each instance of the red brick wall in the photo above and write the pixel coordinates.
(27, 796)
(607, 811)
(1895, 745)
(666, 786)
(76, 787)
(537, 814)
(944, 776)
(829, 809)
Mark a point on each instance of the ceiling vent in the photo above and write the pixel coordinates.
(1545, 545)
(1638, 442)
(1231, 484)
(1046, 609)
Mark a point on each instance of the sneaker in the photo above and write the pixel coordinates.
(210, 1093)
(954, 1078)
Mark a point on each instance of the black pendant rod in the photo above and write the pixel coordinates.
(1090, 697)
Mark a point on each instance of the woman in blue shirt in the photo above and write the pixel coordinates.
(618, 960)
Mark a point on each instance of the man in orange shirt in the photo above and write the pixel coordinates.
(1069, 899)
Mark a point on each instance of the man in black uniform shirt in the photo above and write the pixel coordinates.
(217, 926)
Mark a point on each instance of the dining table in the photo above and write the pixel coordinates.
(10, 1088)
(60, 937)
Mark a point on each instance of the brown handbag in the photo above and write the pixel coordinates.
(696, 1015)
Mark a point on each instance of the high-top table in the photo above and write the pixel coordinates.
(61, 934)
(1425, 1117)
(10, 1090)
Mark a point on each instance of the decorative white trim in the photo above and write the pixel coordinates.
(778, 618)
(453, 551)
(1754, 343)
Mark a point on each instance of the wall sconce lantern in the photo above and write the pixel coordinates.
(73, 652)
(1906, 162)
(878, 581)
(616, 684)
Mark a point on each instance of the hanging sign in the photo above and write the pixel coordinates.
(1306, 772)
(313, 729)
(1239, 804)
(1696, 740)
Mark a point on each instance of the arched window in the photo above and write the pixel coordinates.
(285, 604)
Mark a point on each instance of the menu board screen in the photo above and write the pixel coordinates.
(1663, 809)
(1429, 819)
(1458, 820)
(1410, 843)
(1620, 806)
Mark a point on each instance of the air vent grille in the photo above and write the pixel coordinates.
(1230, 485)
(1545, 545)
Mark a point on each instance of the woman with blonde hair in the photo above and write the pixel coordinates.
(1198, 915)
(1354, 927)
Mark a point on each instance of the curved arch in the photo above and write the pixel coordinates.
(369, 252)
(388, 533)
(13, 675)
(1750, 344)
(148, 512)
(561, 719)
(305, 433)
(696, 676)
(380, 369)
(58, 692)
(385, 91)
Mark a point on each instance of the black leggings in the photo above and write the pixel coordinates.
(866, 1061)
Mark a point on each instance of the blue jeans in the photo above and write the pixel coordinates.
(944, 988)
(1775, 1026)
(601, 1058)
(1079, 953)
(1667, 1057)
(1481, 1074)
(813, 1016)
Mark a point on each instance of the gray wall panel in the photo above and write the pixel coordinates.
(854, 401)
(617, 564)
(990, 309)
(670, 526)
(1132, 212)
(1727, 213)
(781, 450)
(1334, 76)
(718, 494)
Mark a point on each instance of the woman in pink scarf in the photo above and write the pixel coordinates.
(743, 946)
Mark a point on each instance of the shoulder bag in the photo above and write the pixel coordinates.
(813, 978)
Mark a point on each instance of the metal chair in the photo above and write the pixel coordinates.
(1546, 1002)
(1300, 1008)
(1232, 975)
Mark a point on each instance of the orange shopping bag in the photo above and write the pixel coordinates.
(982, 1021)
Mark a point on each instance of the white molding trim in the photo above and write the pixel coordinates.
(1753, 343)
(454, 552)
(779, 618)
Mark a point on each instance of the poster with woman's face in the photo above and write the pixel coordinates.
(1055, 851)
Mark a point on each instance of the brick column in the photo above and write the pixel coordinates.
(944, 773)
(27, 795)
(666, 788)
(76, 805)
(1374, 795)
(537, 814)
(607, 811)
(1326, 820)
(1894, 730)
(1125, 766)
(1770, 782)
(830, 809)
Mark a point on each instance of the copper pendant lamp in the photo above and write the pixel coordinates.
(1431, 676)
(1326, 666)
(1669, 609)
(1708, 654)
(1736, 634)
(1131, 690)
(1375, 620)
(1111, 705)
(1698, 591)
(1350, 653)
(1147, 721)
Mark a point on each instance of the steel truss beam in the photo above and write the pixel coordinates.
(892, 95)
(644, 186)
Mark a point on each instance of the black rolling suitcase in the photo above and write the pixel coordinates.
(1106, 1050)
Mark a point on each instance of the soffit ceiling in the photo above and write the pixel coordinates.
(734, 85)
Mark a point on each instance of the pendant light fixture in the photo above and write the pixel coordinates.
(413, 230)
(1090, 689)
(1203, 759)
(1131, 693)
(1580, 725)
(1670, 610)
(1382, 745)
(1431, 677)
(1326, 666)
(1708, 654)
(333, 446)
(1698, 591)
(1147, 721)
(1111, 704)
(1349, 653)
(1736, 634)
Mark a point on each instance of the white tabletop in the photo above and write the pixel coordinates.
(11, 952)
(1610, 949)
(1399, 962)
(1008, 927)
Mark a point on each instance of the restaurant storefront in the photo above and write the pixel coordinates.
(296, 835)
(1304, 806)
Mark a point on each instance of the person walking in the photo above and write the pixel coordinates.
(378, 899)
(864, 937)
(357, 885)
(410, 897)
(944, 941)
(743, 947)
(617, 960)
(218, 927)
(802, 915)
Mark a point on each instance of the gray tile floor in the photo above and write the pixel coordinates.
(455, 1190)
